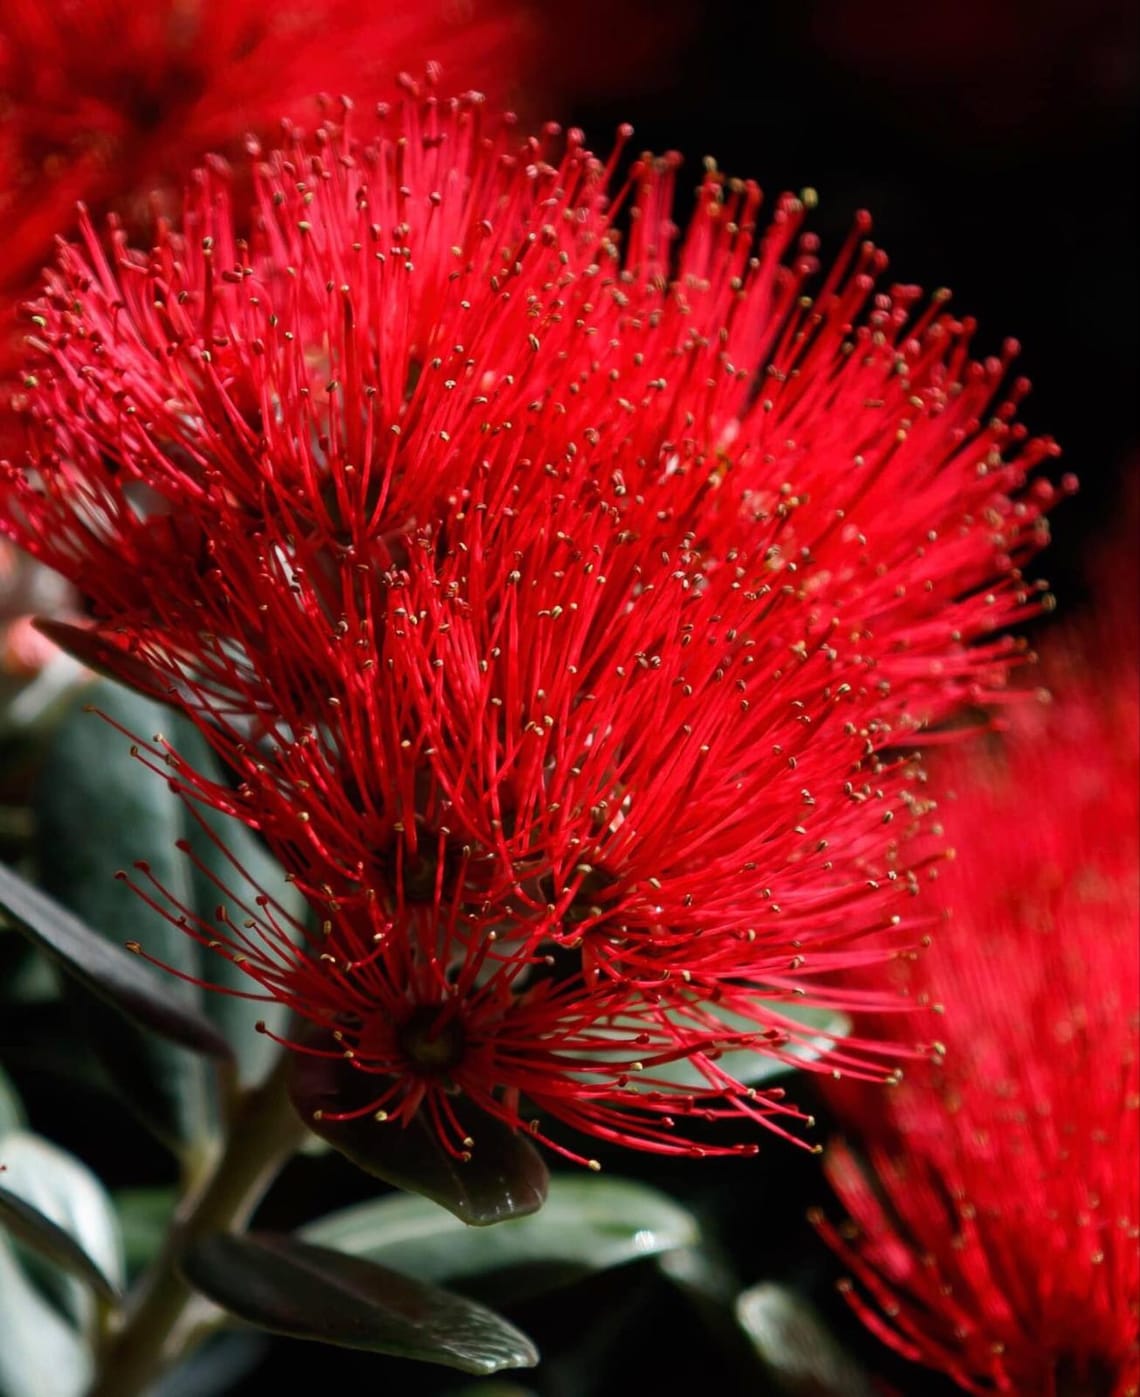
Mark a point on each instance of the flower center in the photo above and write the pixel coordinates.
(429, 1042)
(593, 897)
(419, 875)
(1095, 1378)
(417, 869)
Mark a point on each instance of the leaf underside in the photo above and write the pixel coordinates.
(308, 1292)
(505, 1177)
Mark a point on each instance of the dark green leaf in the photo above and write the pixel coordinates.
(27, 976)
(704, 1276)
(45, 1047)
(797, 1352)
(100, 810)
(290, 1287)
(11, 1111)
(504, 1178)
(587, 1224)
(236, 1016)
(28, 1225)
(113, 974)
(144, 1217)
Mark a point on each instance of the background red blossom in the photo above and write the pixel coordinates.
(113, 103)
(996, 1195)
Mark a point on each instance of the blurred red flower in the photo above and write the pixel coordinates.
(564, 609)
(113, 103)
(995, 1195)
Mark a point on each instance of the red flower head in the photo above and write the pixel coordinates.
(997, 1205)
(559, 598)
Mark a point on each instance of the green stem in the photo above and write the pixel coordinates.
(160, 1314)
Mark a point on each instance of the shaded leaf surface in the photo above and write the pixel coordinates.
(215, 1369)
(587, 1224)
(309, 1292)
(797, 1351)
(144, 1215)
(817, 1032)
(41, 1355)
(27, 975)
(98, 811)
(63, 1191)
(703, 1274)
(214, 871)
(505, 1177)
(29, 1226)
(110, 972)
(11, 1111)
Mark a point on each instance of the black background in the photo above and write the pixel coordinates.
(994, 145)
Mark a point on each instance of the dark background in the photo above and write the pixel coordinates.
(992, 140)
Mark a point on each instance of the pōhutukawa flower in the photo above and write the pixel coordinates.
(564, 590)
(994, 1196)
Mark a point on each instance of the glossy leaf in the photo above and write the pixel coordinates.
(291, 1287)
(798, 1354)
(505, 1177)
(28, 1225)
(587, 1224)
(143, 817)
(59, 1189)
(110, 972)
(41, 1355)
(43, 1310)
